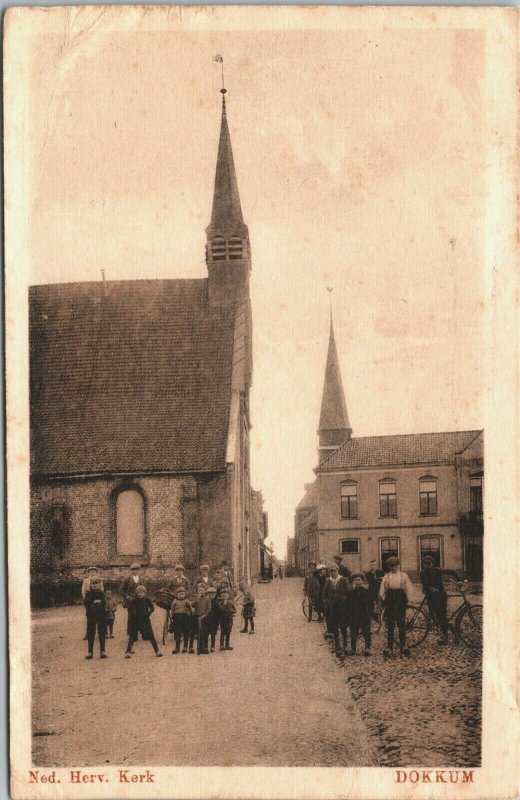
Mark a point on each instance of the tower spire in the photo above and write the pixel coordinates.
(334, 427)
(227, 249)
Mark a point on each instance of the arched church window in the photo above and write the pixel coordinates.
(235, 248)
(130, 523)
(218, 249)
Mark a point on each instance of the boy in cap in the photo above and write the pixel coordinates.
(394, 592)
(226, 611)
(95, 609)
(111, 607)
(139, 611)
(92, 573)
(180, 579)
(212, 618)
(343, 571)
(202, 578)
(436, 596)
(181, 612)
(128, 591)
(360, 612)
(248, 607)
(336, 602)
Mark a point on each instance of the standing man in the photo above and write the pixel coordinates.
(312, 588)
(228, 575)
(336, 598)
(436, 596)
(342, 570)
(128, 592)
(374, 576)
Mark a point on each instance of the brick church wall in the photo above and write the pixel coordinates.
(186, 519)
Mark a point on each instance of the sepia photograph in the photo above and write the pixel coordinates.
(258, 292)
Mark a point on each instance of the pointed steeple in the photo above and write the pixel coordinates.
(226, 200)
(227, 249)
(334, 427)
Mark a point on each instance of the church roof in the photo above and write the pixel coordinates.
(333, 414)
(411, 448)
(226, 210)
(134, 379)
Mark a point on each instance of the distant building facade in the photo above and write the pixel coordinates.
(258, 535)
(140, 414)
(410, 495)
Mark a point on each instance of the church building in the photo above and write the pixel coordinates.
(407, 495)
(139, 403)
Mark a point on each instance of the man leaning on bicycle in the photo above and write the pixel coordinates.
(436, 596)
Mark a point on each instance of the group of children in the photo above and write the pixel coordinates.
(196, 613)
(347, 601)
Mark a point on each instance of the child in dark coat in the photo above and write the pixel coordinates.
(96, 617)
(212, 618)
(336, 597)
(139, 610)
(180, 625)
(226, 612)
(360, 611)
(248, 608)
(111, 607)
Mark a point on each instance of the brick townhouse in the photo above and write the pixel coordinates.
(139, 400)
(408, 495)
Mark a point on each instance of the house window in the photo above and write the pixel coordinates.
(235, 248)
(130, 523)
(387, 499)
(430, 546)
(349, 500)
(389, 547)
(350, 546)
(428, 496)
(475, 494)
(218, 249)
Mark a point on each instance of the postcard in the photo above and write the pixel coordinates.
(261, 302)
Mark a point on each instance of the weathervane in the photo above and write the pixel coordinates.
(218, 58)
(329, 289)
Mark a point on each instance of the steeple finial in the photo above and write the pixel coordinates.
(218, 58)
(329, 289)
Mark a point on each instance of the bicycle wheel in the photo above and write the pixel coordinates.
(469, 626)
(166, 625)
(305, 607)
(417, 625)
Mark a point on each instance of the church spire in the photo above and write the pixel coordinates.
(227, 249)
(226, 200)
(334, 427)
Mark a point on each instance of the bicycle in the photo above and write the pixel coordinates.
(464, 622)
(164, 598)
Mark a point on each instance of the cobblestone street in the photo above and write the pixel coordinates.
(280, 698)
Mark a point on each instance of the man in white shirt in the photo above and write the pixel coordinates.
(394, 592)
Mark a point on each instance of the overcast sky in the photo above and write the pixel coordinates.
(360, 165)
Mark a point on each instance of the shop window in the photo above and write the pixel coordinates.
(389, 547)
(349, 507)
(387, 499)
(130, 519)
(350, 546)
(430, 546)
(428, 496)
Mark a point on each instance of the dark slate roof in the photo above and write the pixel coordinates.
(333, 415)
(411, 448)
(135, 380)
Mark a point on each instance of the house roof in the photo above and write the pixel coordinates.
(411, 448)
(309, 499)
(136, 377)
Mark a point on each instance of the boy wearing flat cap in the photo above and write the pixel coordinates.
(92, 574)
(395, 592)
(180, 579)
(139, 611)
(96, 617)
(360, 611)
(336, 602)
